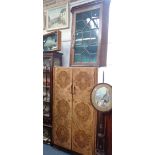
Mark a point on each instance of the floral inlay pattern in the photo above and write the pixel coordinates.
(62, 134)
(81, 138)
(63, 108)
(82, 111)
(83, 80)
(63, 79)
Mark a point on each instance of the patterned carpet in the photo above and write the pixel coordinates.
(49, 150)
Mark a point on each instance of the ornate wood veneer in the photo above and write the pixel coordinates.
(74, 117)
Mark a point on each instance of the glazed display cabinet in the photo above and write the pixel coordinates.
(89, 34)
(49, 61)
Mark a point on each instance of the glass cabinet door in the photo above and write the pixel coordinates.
(89, 34)
(86, 36)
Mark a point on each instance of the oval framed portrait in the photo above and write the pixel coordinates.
(101, 97)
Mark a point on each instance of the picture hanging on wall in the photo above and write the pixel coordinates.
(57, 17)
(44, 21)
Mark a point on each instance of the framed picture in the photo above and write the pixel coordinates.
(44, 21)
(101, 97)
(57, 17)
(52, 41)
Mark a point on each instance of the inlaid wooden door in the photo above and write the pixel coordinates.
(84, 114)
(62, 106)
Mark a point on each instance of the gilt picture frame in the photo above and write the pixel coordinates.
(44, 21)
(57, 17)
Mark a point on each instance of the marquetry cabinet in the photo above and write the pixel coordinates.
(89, 34)
(74, 117)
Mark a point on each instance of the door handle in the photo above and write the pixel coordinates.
(72, 89)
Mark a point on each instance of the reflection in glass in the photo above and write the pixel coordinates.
(80, 25)
(94, 37)
(92, 49)
(57, 62)
(95, 14)
(46, 108)
(50, 42)
(86, 15)
(47, 63)
(86, 36)
(102, 96)
(93, 58)
(78, 49)
(78, 40)
(77, 57)
(85, 57)
(46, 134)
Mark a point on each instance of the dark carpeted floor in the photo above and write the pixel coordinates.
(49, 150)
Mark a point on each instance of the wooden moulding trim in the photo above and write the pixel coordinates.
(50, 53)
(102, 48)
(48, 33)
(95, 112)
(86, 5)
(84, 65)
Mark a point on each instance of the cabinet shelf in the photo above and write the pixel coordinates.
(49, 126)
(46, 83)
(47, 120)
(49, 61)
(46, 86)
(46, 71)
(47, 115)
(46, 101)
(46, 140)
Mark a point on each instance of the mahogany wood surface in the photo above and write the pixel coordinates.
(108, 136)
(102, 36)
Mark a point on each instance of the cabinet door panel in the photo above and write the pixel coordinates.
(62, 107)
(87, 29)
(84, 114)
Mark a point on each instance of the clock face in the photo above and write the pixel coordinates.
(101, 97)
